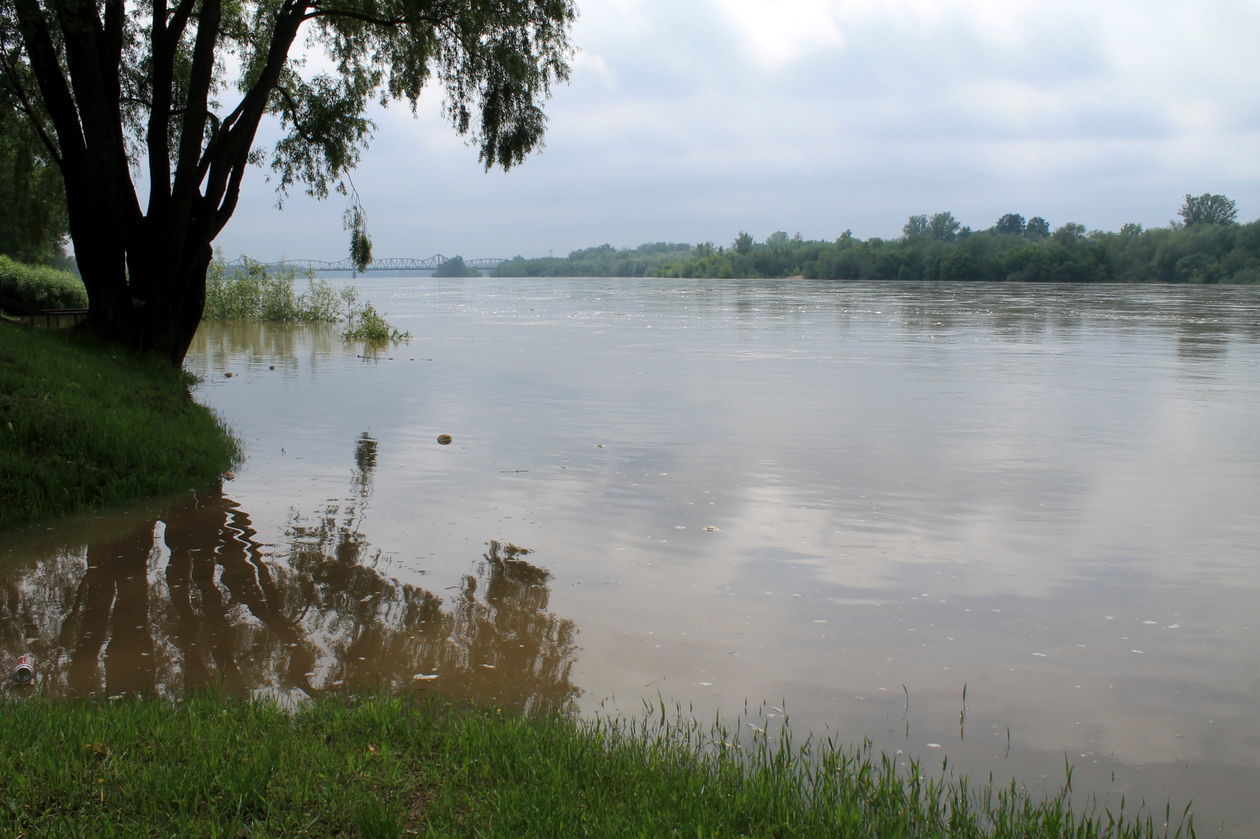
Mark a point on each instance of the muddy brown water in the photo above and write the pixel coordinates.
(852, 502)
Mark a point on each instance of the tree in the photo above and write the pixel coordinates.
(916, 227)
(1069, 234)
(743, 243)
(143, 94)
(1207, 209)
(32, 197)
(943, 227)
(1012, 223)
(1037, 228)
(456, 267)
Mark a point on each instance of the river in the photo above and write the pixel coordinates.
(1005, 525)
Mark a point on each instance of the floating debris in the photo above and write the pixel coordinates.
(423, 677)
(444, 439)
(24, 669)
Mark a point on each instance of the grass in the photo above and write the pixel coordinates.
(40, 286)
(387, 767)
(84, 426)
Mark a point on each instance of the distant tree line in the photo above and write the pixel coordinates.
(603, 261)
(1206, 246)
(456, 267)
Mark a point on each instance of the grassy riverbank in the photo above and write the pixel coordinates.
(85, 426)
(383, 767)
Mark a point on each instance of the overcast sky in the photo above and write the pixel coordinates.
(693, 120)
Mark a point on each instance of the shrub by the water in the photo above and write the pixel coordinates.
(366, 324)
(41, 286)
(252, 291)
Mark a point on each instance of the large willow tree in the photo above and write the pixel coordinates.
(152, 109)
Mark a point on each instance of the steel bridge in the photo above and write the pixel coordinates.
(393, 263)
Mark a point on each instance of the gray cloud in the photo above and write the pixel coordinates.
(691, 122)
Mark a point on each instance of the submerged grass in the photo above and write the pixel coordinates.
(85, 425)
(389, 767)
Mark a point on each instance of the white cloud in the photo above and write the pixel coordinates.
(778, 32)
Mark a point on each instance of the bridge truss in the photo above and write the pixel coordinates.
(394, 263)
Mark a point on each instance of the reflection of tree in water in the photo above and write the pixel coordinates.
(189, 599)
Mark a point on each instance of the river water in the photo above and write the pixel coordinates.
(1008, 526)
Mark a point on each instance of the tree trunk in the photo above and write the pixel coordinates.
(154, 304)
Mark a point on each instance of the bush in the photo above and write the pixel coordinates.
(253, 292)
(40, 286)
(365, 324)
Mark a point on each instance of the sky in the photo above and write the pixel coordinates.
(694, 120)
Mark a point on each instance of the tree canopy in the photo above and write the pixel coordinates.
(32, 198)
(151, 111)
(1207, 209)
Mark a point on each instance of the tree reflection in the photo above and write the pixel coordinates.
(189, 598)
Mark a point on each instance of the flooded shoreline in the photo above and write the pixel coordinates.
(830, 497)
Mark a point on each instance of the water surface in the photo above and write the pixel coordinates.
(851, 501)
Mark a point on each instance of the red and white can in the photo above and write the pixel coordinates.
(24, 669)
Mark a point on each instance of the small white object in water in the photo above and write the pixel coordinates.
(933, 745)
(423, 677)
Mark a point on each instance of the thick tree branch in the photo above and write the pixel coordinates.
(229, 148)
(193, 129)
(53, 87)
(158, 140)
(22, 96)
